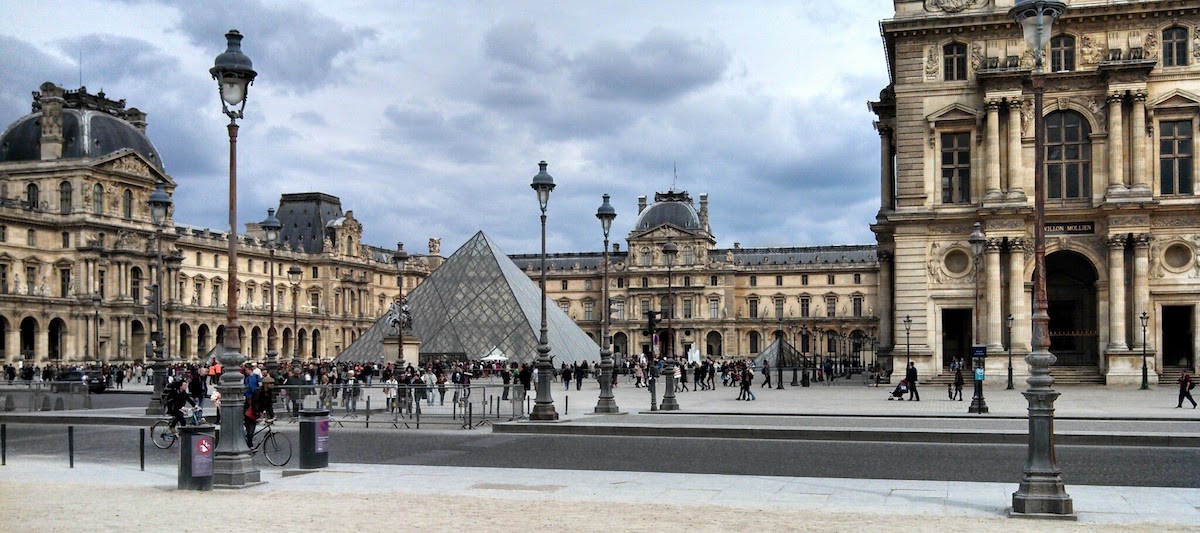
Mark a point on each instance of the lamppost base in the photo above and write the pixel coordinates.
(1145, 376)
(1043, 498)
(977, 407)
(543, 411)
(234, 470)
(669, 404)
(1010, 378)
(606, 406)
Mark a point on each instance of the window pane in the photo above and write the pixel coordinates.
(1166, 146)
(1166, 173)
(1072, 181)
(1185, 147)
(1185, 176)
(1054, 181)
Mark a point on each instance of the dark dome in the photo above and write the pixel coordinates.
(86, 133)
(679, 214)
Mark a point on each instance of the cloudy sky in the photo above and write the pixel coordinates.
(428, 119)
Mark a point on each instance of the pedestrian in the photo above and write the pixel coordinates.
(566, 377)
(259, 404)
(579, 374)
(747, 381)
(429, 381)
(910, 376)
(827, 372)
(766, 375)
(1185, 389)
(505, 378)
(958, 384)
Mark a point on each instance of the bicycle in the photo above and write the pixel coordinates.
(161, 434)
(276, 447)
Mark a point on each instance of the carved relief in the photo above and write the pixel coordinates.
(435, 247)
(934, 263)
(1091, 51)
(1013, 223)
(976, 56)
(1150, 45)
(953, 6)
(1027, 120)
(951, 229)
(129, 165)
(933, 61)
(1175, 222)
(1128, 220)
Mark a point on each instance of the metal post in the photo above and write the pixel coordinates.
(271, 353)
(1008, 322)
(607, 403)
(71, 444)
(142, 448)
(669, 403)
(543, 183)
(1145, 374)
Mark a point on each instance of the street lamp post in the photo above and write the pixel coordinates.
(795, 367)
(1008, 321)
(543, 409)
(271, 227)
(96, 301)
(669, 250)
(400, 257)
(1041, 491)
(804, 382)
(978, 405)
(907, 341)
(780, 358)
(160, 203)
(234, 73)
(1145, 318)
(606, 404)
(294, 275)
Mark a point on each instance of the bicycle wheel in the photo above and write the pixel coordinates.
(160, 434)
(277, 448)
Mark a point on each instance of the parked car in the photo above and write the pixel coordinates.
(92, 379)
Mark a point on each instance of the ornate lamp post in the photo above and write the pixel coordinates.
(96, 301)
(234, 73)
(804, 332)
(1145, 318)
(400, 257)
(779, 360)
(271, 227)
(1041, 491)
(795, 367)
(543, 409)
(1008, 321)
(607, 404)
(669, 250)
(160, 203)
(907, 341)
(294, 275)
(978, 405)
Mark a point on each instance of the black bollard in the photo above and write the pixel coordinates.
(142, 448)
(71, 444)
(368, 421)
(3, 444)
(314, 438)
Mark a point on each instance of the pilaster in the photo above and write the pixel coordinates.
(1116, 293)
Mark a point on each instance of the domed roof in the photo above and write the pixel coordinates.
(86, 133)
(670, 208)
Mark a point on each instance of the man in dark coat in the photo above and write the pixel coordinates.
(910, 375)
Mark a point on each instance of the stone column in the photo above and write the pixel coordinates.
(13, 338)
(1016, 295)
(887, 196)
(1016, 169)
(995, 320)
(991, 140)
(1137, 126)
(1116, 293)
(1116, 166)
(886, 319)
(1141, 273)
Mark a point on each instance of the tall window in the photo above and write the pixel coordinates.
(689, 256)
(753, 308)
(3, 278)
(954, 62)
(31, 238)
(804, 279)
(98, 199)
(753, 342)
(778, 307)
(805, 302)
(587, 284)
(714, 308)
(1068, 156)
(1062, 53)
(645, 283)
(753, 281)
(564, 284)
(956, 168)
(712, 280)
(858, 302)
(687, 281)
(830, 306)
(620, 283)
(1175, 47)
(589, 310)
(644, 257)
(645, 307)
(64, 282)
(857, 279)
(127, 204)
(32, 196)
(830, 279)
(687, 308)
(66, 239)
(778, 281)
(64, 197)
(618, 308)
(3, 233)
(135, 285)
(1175, 157)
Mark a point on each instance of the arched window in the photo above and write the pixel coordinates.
(98, 199)
(644, 257)
(1068, 156)
(31, 196)
(64, 197)
(1062, 53)
(127, 204)
(1175, 47)
(753, 342)
(135, 285)
(954, 62)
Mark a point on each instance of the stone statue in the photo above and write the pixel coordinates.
(435, 247)
(17, 288)
(400, 314)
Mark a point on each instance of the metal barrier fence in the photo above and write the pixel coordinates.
(407, 406)
(44, 396)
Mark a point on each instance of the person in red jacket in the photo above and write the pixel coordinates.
(1185, 390)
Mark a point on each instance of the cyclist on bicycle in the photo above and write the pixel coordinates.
(259, 404)
(173, 399)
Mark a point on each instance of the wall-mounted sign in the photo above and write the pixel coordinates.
(1071, 228)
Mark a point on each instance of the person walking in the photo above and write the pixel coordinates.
(747, 381)
(910, 376)
(766, 375)
(566, 374)
(958, 384)
(1185, 390)
(827, 372)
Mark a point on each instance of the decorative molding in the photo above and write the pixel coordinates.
(1002, 224)
(953, 6)
(129, 164)
(951, 229)
(1179, 221)
(1128, 220)
(933, 61)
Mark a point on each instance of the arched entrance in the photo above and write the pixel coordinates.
(256, 342)
(713, 344)
(316, 351)
(301, 341)
(29, 328)
(185, 340)
(140, 348)
(4, 339)
(58, 336)
(1071, 294)
(203, 340)
(620, 345)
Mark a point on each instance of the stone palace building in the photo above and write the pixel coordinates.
(956, 124)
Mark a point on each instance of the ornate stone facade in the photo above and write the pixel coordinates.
(1122, 107)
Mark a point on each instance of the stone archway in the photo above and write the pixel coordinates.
(29, 330)
(140, 349)
(185, 340)
(714, 345)
(58, 339)
(1073, 308)
(620, 345)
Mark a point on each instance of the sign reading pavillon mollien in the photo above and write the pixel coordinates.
(1071, 228)
(953, 6)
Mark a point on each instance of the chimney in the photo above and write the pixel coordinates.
(136, 118)
(737, 246)
(616, 247)
(51, 101)
(641, 204)
(704, 211)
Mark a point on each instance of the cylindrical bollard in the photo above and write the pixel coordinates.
(566, 404)
(368, 421)
(142, 448)
(3, 444)
(314, 438)
(197, 447)
(71, 444)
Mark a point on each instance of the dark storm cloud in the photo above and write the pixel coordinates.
(301, 49)
(661, 66)
(464, 135)
(23, 67)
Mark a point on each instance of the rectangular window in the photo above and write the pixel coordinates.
(587, 285)
(618, 310)
(66, 239)
(753, 281)
(1175, 157)
(216, 261)
(589, 310)
(831, 306)
(858, 302)
(778, 281)
(779, 308)
(858, 279)
(250, 297)
(215, 301)
(565, 306)
(196, 292)
(314, 303)
(687, 308)
(3, 278)
(198, 256)
(31, 238)
(804, 279)
(1062, 54)
(805, 303)
(956, 168)
(3, 233)
(954, 62)
(753, 308)
(30, 280)
(316, 272)
(645, 307)
(101, 279)
(1175, 47)
(829, 279)
(714, 308)
(712, 280)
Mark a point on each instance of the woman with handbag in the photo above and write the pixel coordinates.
(1185, 389)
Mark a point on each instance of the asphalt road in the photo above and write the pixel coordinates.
(1089, 465)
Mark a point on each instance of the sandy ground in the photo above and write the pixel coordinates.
(46, 508)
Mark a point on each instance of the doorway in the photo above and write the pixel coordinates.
(956, 335)
(1177, 334)
(1071, 294)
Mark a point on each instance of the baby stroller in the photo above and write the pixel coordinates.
(900, 390)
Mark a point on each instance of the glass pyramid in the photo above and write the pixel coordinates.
(779, 350)
(475, 302)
